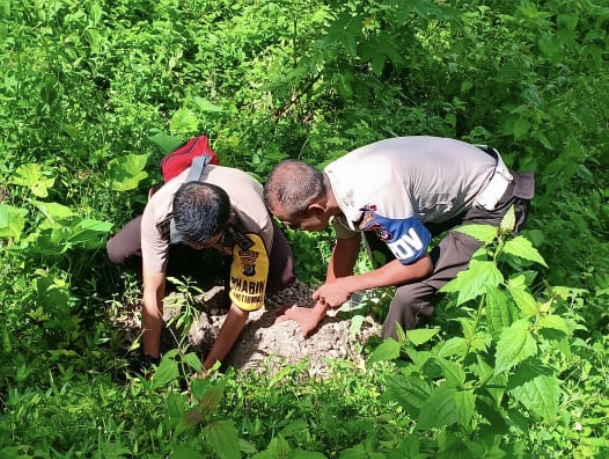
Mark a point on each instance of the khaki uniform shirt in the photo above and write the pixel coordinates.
(249, 267)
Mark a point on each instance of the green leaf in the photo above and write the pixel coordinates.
(465, 403)
(537, 389)
(453, 346)
(126, 172)
(498, 311)
(210, 401)
(184, 120)
(421, 335)
(12, 221)
(192, 360)
(87, 232)
(166, 372)
(521, 247)
(166, 143)
(516, 345)
(474, 281)
(521, 127)
(278, 448)
(483, 233)
(53, 211)
(36, 177)
(409, 391)
(524, 300)
(454, 374)
(554, 322)
(387, 350)
(223, 438)
(205, 105)
(440, 409)
(183, 452)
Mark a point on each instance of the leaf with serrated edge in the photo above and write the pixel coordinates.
(522, 248)
(515, 345)
(483, 233)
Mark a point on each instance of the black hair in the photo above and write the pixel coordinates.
(200, 211)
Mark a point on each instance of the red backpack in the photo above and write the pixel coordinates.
(174, 163)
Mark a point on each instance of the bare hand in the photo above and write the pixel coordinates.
(332, 294)
(307, 318)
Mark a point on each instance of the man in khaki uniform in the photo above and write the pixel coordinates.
(218, 208)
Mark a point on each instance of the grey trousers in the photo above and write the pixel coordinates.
(411, 305)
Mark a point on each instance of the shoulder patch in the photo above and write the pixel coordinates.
(163, 227)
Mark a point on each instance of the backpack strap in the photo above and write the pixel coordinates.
(194, 175)
(196, 169)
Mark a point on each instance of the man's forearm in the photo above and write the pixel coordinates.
(229, 332)
(393, 273)
(344, 256)
(152, 325)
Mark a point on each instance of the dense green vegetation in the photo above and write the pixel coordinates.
(517, 363)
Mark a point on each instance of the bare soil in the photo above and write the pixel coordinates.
(264, 343)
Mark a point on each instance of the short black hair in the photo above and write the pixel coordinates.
(200, 211)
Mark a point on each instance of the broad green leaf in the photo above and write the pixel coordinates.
(555, 322)
(166, 143)
(53, 211)
(205, 105)
(498, 311)
(515, 345)
(387, 350)
(540, 395)
(223, 438)
(192, 360)
(494, 385)
(454, 374)
(36, 177)
(183, 452)
(166, 372)
(184, 120)
(524, 300)
(465, 403)
(453, 346)
(474, 281)
(126, 172)
(294, 428)
(440, 409)
(210, 401)
(12, 221)
(95, 13)
(421, 335)
(521, 247)
(356, 324)
(410, 392)
(87, 233)
(521, 127)
(302, 454)
(483, 233)
(98, 226)
(278, 448)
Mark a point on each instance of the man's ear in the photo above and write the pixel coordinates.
(232, 218)
(315, 208)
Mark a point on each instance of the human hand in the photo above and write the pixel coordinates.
(332, 294)
(307, 318)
